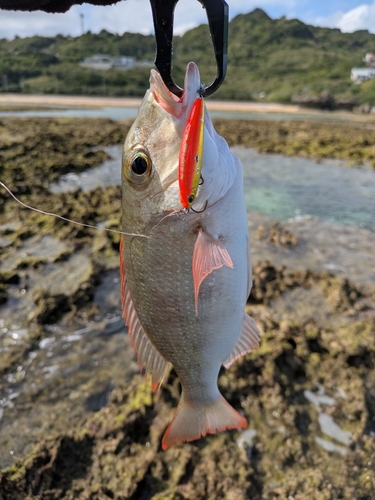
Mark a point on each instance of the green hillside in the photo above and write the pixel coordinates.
(277, 57)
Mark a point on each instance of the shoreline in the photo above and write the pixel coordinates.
(71, 101)
(129, 102)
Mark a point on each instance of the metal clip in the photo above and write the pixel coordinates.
(217, 14)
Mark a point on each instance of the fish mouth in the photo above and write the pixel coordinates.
(170, 102)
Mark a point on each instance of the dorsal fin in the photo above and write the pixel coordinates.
(147, 356)
(248, 341)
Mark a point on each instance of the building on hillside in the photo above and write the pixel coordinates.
(370, 60)
(104, 62)
(359, 75)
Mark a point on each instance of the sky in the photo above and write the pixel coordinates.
(135, 16)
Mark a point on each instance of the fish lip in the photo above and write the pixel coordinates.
(168, 101)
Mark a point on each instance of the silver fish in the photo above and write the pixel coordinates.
(184, 288)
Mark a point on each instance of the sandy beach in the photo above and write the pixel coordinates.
(28, 102)
(128, 102)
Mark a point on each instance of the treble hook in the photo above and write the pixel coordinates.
(163, 15)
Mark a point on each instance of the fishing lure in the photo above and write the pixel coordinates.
(191, 155)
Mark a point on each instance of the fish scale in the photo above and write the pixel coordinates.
(186, 333)
(185, 286)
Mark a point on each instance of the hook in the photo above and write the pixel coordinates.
(163, 15)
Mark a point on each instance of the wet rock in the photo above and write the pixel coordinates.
(49, 308)
(67, 287)
(9, 277)
(3, 294)
(341, 294)
(275, 234)
(297, 138)
(270, 282)
(114, 452)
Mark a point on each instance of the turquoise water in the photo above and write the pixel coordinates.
(281, 187)
(285, 187)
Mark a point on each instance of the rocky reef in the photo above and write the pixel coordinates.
(308, 391)
(353, 142)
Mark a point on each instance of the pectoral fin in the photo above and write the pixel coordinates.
(248, 341)
(209, 254)
(147, 356)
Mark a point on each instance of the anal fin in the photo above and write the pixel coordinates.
(209, 254)
(248, 341)
(147, 356)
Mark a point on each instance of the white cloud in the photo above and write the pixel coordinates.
(38, 23)
(362, 17)
(129, 15)
(136, 16)
(359, 18)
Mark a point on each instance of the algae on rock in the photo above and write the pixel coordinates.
(315, 362)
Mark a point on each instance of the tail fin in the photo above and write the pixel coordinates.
(192, 422)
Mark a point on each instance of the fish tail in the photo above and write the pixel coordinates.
(191, 422)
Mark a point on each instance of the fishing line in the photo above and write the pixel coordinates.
(175, 212)
(69, 220)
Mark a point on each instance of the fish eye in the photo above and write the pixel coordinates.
(137, 166)
(191, 198)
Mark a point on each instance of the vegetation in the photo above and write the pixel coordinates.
(271, 59)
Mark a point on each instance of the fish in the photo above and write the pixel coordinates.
(185, 285)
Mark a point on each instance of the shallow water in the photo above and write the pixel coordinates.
(345, 251)
(105, 112)
(44, 249)
(279, 186)
(107, 174)
(284, 187)
(75, 366)
(123, 113)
